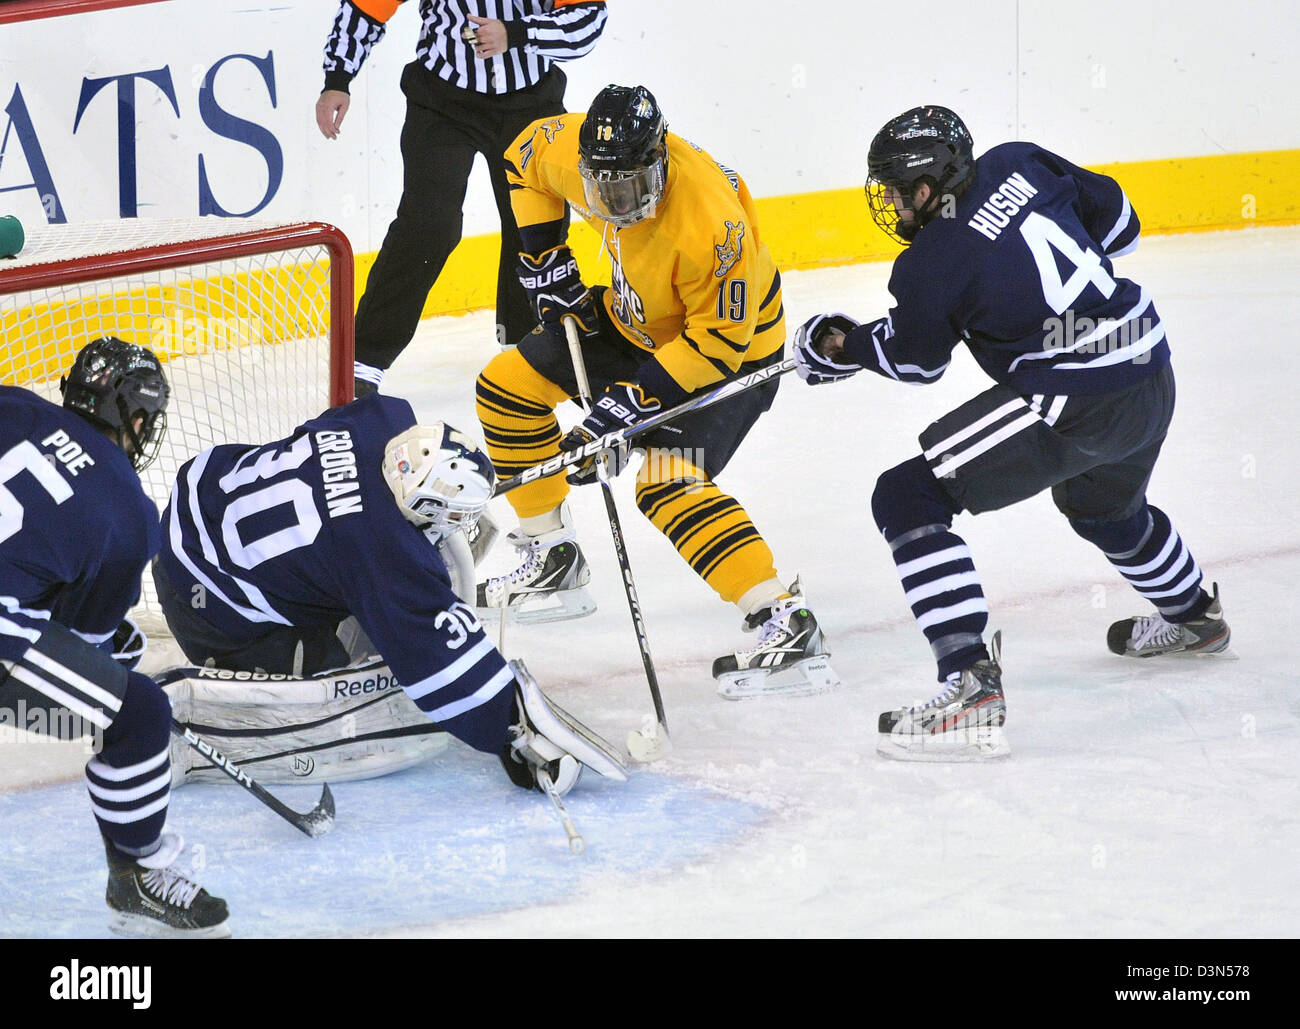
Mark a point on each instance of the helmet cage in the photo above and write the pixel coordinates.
(926, 145)
(624, 197)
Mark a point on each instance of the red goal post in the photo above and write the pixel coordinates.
(252, 321)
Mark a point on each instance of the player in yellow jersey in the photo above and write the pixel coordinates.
(696, 299)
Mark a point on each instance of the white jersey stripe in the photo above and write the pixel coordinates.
(478, 698)
(986, 444)
(452, 672)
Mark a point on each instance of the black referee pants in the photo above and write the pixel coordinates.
(445, 128)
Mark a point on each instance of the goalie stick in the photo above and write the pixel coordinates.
(316, 822)
(566, 459)
(650, 743)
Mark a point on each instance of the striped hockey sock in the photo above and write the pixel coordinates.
(943, 589)
(1161, 568)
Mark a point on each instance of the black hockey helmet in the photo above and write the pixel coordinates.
(622, 155)
(113, 383)
(928, 145)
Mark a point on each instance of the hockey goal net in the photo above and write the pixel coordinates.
(253, 323)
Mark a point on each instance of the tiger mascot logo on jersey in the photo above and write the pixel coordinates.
(729, 249)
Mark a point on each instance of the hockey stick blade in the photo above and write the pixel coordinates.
(316, 822)
(566, 459)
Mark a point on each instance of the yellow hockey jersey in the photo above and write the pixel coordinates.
(694, 286)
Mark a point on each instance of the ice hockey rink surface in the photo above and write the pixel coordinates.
(1151, 799)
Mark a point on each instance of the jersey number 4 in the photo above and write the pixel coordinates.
(1046, 239)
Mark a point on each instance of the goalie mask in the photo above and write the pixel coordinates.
(929, 145)
(622, 156)
(115, 385)
(441, 480)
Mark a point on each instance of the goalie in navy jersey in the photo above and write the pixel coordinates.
(1011, 254)
(76, 531)
(273, 554)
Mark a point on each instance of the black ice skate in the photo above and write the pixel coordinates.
(790, 658)
(1152, 636)
(550, 584)
(156, 896)
(963, 723)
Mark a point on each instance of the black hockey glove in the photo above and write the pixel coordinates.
(619, 406)
(128, 644)
(813, 367)
(529, 751)
(556, 289)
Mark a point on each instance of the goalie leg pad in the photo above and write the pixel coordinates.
(351, 724)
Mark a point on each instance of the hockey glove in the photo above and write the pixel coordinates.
(128, 644)
(545, 736)
(620, 406)
(556, 289)
(814, 368)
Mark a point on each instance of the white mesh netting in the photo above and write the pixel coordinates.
(245, 337)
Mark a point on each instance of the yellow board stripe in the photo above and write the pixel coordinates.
(812, 230)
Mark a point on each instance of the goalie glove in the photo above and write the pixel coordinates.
(129, 644)
(555, 288)
(547, 737)
(813, 367)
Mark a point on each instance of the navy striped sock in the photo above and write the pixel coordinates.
(944, 592)
(1162, 569)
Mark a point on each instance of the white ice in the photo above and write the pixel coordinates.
(1140, 799)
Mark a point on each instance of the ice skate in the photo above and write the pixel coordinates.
(550, 583)
(963, 723)
(156, 896)
(1152, 636)
(789, 659)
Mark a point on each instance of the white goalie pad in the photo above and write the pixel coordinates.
(354, 723)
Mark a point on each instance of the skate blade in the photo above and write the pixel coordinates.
(803, 678)
(143, 927)
(536, 609)
(981, 743)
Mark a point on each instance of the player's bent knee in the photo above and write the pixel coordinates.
(908, 497)
(144, 719)
(1114, 537)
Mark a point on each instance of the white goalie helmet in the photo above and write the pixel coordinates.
(440, 478)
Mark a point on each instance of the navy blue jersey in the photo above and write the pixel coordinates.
(1021, 271)
(305, 531)
(76, 528)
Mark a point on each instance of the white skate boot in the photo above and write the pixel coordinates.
(790, 658)
(550, 583)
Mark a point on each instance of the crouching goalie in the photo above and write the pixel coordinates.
(315, 583)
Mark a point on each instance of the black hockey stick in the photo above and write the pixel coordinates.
(567, 459)
(316, 822)
(643, 745)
